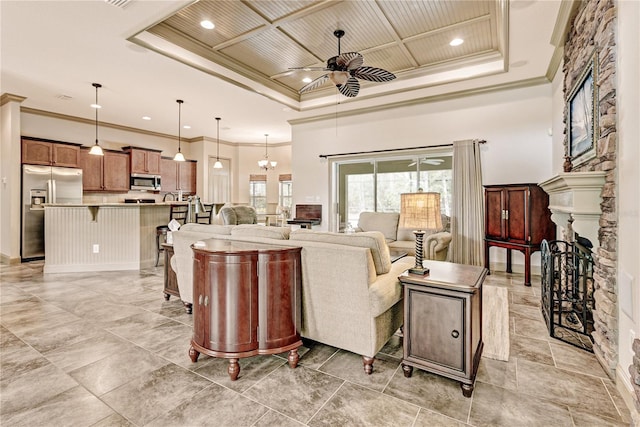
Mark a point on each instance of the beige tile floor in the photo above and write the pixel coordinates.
(106, 349)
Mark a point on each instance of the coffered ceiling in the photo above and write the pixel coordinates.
(148, 53)
(263, 40)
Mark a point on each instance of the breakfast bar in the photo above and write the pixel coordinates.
(101, 237)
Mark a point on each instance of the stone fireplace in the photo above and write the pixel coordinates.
(574, 202)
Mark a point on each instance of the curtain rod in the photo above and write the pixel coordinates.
(324, 156)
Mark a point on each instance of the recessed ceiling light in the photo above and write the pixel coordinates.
(96, 106)
(186, 127)
(306, 80)
(146, 118)
(456, 42)
(207, 24)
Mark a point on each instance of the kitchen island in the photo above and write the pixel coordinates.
(102, 236)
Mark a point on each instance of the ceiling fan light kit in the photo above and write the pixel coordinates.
(344, 71)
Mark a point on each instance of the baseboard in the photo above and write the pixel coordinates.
(8, 260)
(624, 387)
(83, 268)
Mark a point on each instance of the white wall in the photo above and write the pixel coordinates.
(628, 198)
(10, 181)
(514, 122)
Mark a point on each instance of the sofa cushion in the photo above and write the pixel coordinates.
(384, 222)
(207, 228)
(255, 230)
(373, 240)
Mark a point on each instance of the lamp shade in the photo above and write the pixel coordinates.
(420, 210)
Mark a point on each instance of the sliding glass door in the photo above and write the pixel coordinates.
(375, 184)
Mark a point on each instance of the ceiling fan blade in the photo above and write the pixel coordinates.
(315, 83)
(309, 68)
(350, 61)
(373, 74)
(350, 88)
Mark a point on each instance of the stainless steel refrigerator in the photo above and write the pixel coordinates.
(40, 185)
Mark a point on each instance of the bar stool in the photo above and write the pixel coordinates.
(177, 212)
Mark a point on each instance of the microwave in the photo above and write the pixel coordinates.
(141, 181)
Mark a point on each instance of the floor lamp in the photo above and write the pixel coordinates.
(421, 211)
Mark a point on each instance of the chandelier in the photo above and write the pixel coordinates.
(265, 163)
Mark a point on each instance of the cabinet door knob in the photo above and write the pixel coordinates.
(200, 300)
(455, 333)
(206, 301)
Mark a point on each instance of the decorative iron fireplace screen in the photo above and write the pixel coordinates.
(567, 292)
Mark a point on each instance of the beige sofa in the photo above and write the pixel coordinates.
(435, 244)
(351, 297)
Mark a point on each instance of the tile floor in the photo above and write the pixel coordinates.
(106, 349)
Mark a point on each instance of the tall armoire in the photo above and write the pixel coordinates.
(517, 216)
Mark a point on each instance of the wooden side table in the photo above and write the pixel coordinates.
(247, 301)
(443, 321)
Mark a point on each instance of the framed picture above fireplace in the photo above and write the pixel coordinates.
(582, 114)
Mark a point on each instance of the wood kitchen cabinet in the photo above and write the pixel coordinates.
(178, 175)
(247, 301)
(109, 172)
(517, 216)
(144, 161)
(43, 152)
(443, 321)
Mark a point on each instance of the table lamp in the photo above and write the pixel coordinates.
(421, 211)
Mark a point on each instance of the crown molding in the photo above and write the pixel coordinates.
(535, 81)
(567, 12)
(5, 98)
(554, 63)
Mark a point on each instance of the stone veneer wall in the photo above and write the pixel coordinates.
(634, 370)
(594, 27)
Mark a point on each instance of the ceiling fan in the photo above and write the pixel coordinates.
(427, 161)
(344, 71)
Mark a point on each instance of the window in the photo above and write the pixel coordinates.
(258, 193)
(285, 193)
(376, 184)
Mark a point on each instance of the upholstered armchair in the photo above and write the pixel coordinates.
(234, 215)
(435, 244)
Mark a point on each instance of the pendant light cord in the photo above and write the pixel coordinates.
(218, 139)
(179, 101)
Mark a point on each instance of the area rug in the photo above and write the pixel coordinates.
(495, 322)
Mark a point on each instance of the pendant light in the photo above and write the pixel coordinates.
(218, 164)
(179, 157)
(96, 150)
(265, 163)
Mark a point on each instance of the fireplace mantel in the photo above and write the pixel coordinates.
(576, 195)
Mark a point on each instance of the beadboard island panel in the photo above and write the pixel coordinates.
(104, 237)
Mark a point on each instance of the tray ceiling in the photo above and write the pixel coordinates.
(261, 40)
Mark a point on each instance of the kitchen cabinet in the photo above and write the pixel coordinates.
(109, 172)
(42, 152)
(144, 161)
(443, 321)
(517, 216)
(247, 301)
(178, 175)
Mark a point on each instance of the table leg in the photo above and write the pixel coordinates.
(193, 354)
(166, 297)
(467, 389)
(486, 257)
(188, 307)
(234, 369)
(408, 370)
(509, 261)
(527, 267)
(293, 358)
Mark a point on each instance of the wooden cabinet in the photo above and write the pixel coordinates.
(144, 161)
(443, 321)
(178, 175)
(517, 217)
(170, 279)
(42, 152)
(246, 301)
(105, 173)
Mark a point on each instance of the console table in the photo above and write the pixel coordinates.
(443, 321)
(246, 301)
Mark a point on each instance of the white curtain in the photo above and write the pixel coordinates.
(467, 216)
